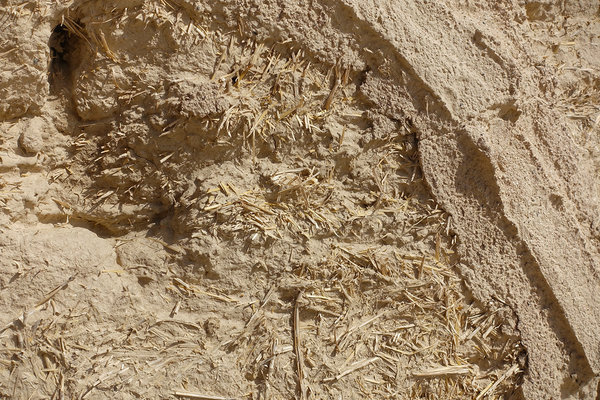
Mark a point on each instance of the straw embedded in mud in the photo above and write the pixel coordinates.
(264, 224)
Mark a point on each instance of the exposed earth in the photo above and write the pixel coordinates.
(311, 199)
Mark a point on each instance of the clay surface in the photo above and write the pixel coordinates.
(315, 199)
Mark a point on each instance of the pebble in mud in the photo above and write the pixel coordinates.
(31, 139)
(211, 326)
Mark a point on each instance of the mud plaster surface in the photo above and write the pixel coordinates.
(417, 181)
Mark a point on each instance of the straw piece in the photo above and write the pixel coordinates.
(53, 292)
(444, 371)
(493, 386)
(175, 321)
(175, 309)
(356, 366)
(332, 94)
(191, 395)
(357, 327)
(299, 360)
(107, 49)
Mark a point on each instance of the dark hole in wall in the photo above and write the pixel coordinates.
(65, 53)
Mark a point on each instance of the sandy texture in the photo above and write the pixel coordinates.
(311, 199)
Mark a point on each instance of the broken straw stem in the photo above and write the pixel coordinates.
(191, 395)
(354, 367)
(299, 360)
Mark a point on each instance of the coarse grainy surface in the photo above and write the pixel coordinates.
(320, 199)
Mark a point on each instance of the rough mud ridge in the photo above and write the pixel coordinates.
(312, 199)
